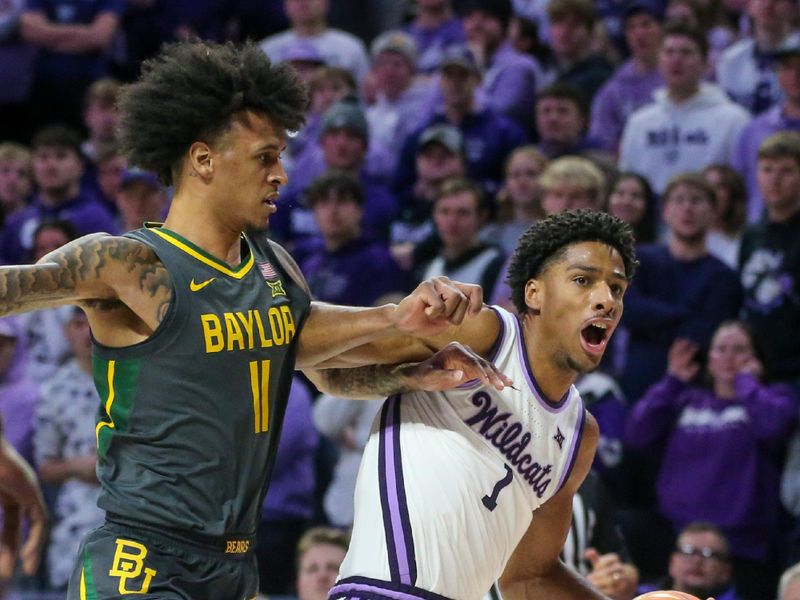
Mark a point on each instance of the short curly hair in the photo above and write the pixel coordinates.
(547, 240)
(190, 91)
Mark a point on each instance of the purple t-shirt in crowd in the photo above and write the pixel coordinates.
(720, 460)
(745, 157)
(509, 85)
(431, 43)
(627, 90)
(86, 213)
(357, 274)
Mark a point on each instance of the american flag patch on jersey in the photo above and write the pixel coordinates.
(267, 270)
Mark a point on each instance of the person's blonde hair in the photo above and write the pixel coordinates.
(321, 535)
(15, 152)
(577, 172)
(693, 180)
(105, 91)
(529, 151)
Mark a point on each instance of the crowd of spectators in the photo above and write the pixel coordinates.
(437, 132)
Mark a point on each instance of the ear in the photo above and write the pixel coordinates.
(200, 159)
(534, 295)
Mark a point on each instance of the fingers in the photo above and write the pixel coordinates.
(474, 366)
(31, 550)
(453, 300)
(9, 542)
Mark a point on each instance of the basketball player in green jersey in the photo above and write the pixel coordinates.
(198, 326)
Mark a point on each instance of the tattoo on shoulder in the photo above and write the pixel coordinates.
(79, 275)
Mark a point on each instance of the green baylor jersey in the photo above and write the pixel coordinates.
(190, 418)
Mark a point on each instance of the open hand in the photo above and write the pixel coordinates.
(680, 360)
(437, 303)
(453, 365)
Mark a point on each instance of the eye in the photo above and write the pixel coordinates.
(617, 289)
(581, 280)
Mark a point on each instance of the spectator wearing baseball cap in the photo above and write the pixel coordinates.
(343, 145)
(633, 83)
(511, 78)
(488, 136)
(140, 198)
(402, 99)
(784, 116)
(434, 28)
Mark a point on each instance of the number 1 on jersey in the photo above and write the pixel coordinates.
(490, 502)
(259, 383)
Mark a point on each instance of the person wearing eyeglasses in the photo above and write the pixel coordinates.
(699, 565)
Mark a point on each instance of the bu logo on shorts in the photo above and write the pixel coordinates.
(129, 564)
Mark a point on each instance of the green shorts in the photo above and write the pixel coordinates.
(118, 561)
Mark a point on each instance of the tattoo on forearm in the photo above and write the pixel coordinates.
(378, 380)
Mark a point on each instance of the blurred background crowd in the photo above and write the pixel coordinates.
(437, 132)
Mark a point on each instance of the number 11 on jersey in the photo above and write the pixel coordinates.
(259, 383)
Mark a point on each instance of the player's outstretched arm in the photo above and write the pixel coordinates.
(96, 270)
(534, 571)
(448, 368)
(22, 503)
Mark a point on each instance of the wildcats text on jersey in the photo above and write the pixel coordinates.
(247, 330)
(504, 434)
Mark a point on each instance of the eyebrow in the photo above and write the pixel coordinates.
(590, 269)
(270, 146)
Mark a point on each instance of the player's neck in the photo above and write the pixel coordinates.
(553, 379)
(194, 221)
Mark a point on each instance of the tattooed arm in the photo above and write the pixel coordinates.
(450, 367)
(120, 283)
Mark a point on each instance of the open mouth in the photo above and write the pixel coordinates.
(594, 337)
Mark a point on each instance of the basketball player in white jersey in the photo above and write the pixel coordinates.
(459, 488)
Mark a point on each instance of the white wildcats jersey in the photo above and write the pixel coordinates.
(449, 482)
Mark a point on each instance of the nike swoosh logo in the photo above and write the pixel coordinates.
(196, 287)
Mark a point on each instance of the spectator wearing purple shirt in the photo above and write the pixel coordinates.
(781, 117)
(435, 27)
(571, 25)
(74, 37)
(57, 171)
(633, 83)
(342, 266)
(511, 78)
(722, 449)
(343, 145)
(488, 137)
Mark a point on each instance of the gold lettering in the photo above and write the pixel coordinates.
(276, 324)
(265, 343)
(212, 332)
(247, 321)
(128, 564)
(234, 331)
(288, 323)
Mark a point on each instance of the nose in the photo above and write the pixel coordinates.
(278, 176)
(603, 300)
